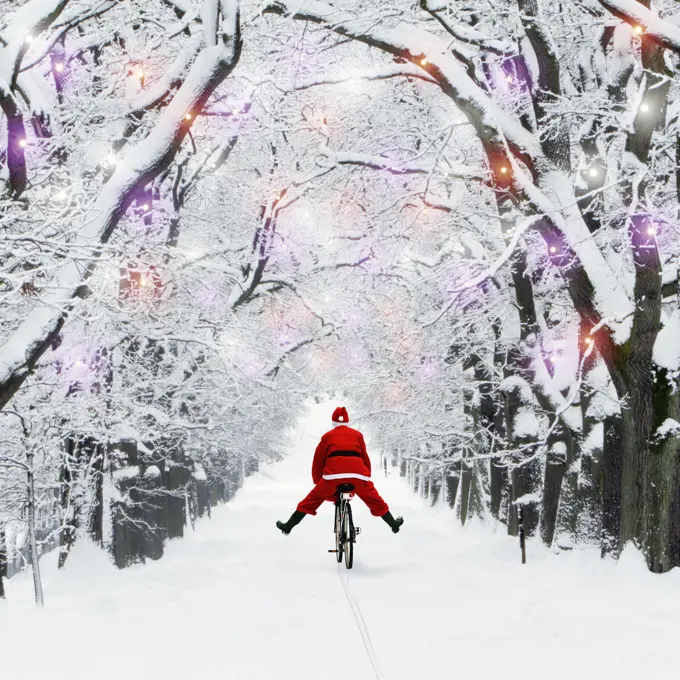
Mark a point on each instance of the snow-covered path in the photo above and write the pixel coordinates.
(239, 600)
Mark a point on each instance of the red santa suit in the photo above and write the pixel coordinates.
(341, 458)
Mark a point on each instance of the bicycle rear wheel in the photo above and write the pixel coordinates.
(348, 535)
(338, 531)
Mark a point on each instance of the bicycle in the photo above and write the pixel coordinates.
(345, 531)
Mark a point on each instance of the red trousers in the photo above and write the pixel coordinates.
(325, 490)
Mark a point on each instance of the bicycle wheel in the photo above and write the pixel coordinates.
(338, 531)
(348, 535)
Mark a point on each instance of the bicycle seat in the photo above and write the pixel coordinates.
(345, 488)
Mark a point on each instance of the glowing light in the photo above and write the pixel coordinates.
(140, 74)
(509, 79)
(504, 170)
(588, 341)
(187, 116)
(236, 112)
(651, 231)
(61, 195)
(59, 67)
(23, 143)
(553, 359)
(423, 61)
(145, 207)
(553, 249)
(29, 39)
(143, 280)
(593, 172)
(639, 29)
(644, 107)
(79, 362)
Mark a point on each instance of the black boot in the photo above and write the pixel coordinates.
(294, 520)
(393, 523)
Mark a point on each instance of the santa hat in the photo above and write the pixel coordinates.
(340, 416)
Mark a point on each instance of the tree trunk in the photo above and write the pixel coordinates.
(3, 561)
(67, 534)
(465, 485)
(35, 558)
(661, 513)
(560, 459)
(452, 484)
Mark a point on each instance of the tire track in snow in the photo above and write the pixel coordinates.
(361, 624)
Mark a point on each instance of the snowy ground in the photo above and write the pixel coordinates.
(239, 600)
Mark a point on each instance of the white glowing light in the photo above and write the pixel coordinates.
(187, 116)
(509, 79)
(553, 359)
(143, 280)
(29, 39)
(61, 195)
(59, 67)
(423, 61)
(504, 170)
(593, 172)
(638, 29)
(145, 207)
(23, 143)
(651, 231)
(553, 249)
(644, 107)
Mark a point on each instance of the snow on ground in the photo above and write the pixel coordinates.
(238, 600)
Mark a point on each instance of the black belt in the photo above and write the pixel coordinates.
(356, 454)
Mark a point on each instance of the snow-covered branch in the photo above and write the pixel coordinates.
(645, 21)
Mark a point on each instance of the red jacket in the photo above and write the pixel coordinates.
(341, 440)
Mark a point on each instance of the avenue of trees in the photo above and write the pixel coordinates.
(461, 215)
